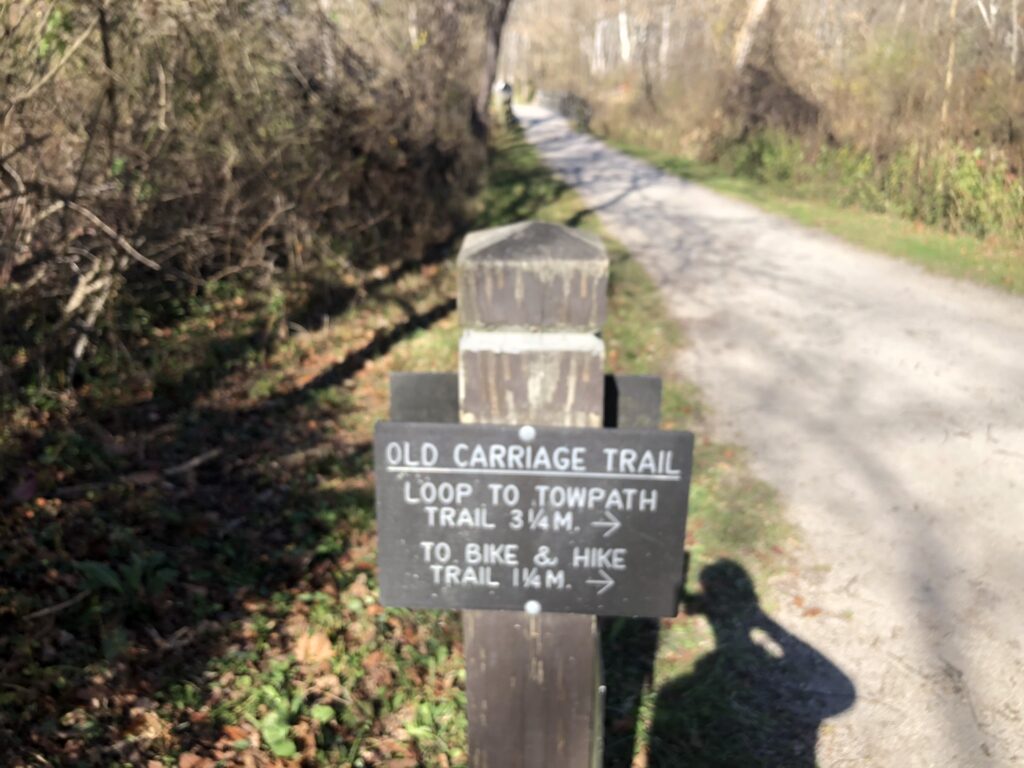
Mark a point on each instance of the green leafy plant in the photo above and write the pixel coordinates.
(53, 40)
(135, 583)
(275, 730)
(280, 704)
(322, 713)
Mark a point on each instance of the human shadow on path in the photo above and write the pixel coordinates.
(757, 699)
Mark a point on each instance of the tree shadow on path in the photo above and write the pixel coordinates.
(757, 699)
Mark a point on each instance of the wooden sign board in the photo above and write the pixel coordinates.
(535, 519)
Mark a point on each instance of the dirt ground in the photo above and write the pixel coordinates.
(887, 406)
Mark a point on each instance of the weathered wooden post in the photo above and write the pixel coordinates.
(527, 515)
(531, 298)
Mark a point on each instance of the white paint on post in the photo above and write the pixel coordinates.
(522, 342)
(531, 297)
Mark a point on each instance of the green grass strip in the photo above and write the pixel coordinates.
(992, 261)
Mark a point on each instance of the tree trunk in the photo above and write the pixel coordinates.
(1015, 31)
(625, 45)
(495, 14)
(950, 62)
(745, 37)
(665, 41)
(644, 48)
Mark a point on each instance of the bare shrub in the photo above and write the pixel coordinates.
(173, 143)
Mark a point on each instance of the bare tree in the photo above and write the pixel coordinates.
(1015, 36)
(745, 37)
(625, 44)
(147, 147)
(880, 73)
(954, 6)
(495, 14)
(664, 44)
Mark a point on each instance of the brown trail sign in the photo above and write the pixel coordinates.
(526, 515)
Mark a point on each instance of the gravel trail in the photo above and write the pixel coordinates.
(887, 406)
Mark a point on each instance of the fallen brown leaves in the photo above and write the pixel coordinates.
(379, 674)
(273, 603)
(313, 648)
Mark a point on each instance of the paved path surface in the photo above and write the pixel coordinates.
(887, 405)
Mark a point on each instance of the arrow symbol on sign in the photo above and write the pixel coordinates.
(611, 522)
(606, 582)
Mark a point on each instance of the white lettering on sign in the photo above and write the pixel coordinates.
(403, 454)
(428, 492)
(492, 518)
(595, 497)
(504, 494)
(461, 517)
(500, 459)
(500, 456)
(599, 557)
(539, 578)
(540, 520)
(492, 554)
(457, 576)
(632, 461)
(436, 550)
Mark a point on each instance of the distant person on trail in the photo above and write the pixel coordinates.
(504, 90)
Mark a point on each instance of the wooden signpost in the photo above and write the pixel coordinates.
(527, 515)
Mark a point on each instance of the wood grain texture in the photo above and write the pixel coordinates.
(533, 683)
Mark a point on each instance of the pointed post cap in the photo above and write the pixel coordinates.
(532, 275)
